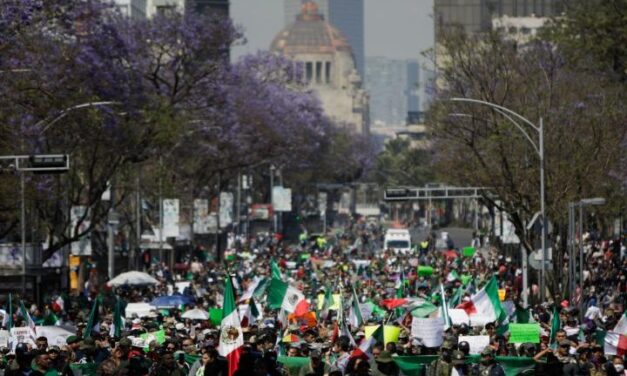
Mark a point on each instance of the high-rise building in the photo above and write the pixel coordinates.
(346, 15)
(396, 87)
(476, 15)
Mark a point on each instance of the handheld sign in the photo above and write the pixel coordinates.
(468, 251)
(425, 271)
(524, 333)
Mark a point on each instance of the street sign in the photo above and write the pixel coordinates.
(281, 199)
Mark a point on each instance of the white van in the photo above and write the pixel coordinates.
(398, 240)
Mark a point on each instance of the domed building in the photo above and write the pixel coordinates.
(329, 66)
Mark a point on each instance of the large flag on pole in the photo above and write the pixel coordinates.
(118, 321)
(93, 323)
(26, 316)
(354, 316)
(485, 303)
(7, 321)
(276, 271)
(444, 308)
(555, 325)
(231, 336)
(366, 345)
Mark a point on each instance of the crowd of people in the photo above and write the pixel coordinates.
(351, 268)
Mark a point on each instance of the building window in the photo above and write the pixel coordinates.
(327, 72)
(166, 10)
(318, 72)
(309, 71)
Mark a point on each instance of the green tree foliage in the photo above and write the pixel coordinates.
(401, 165)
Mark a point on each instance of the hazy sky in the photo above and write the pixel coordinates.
(398, 29)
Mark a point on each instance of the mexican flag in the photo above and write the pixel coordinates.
(485, 304)
(615, 344)
(26, 316)
(93, 324)
(7, 320)
(231, 337)
(118, 321)
(276, 271)
(366, 345)
(621, 325)
(248, 313)
(282, 295)
(355, 318)
(453, 276)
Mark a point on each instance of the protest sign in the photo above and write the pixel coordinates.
(4, 338)
(468, 251)
(476, 343)
(465, 278)
(390, 332)
(458, 316)
(502, 295)
(428, 331)
(21, 335)
(524, 333)
(425, 271)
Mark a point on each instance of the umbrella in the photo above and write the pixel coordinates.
(196, 314)
(168, 301)
(133, 278)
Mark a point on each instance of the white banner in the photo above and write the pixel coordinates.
(476, 343)
(57, 335)
(201, 216)
(226, 209)
(21, 335)
(171, 218)
(281, 199)
(82, 247)
(428, 331)
(4, 338)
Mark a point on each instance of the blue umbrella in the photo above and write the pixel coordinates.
(169, 301)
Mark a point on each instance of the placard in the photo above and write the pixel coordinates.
(390, 332)
(476, 343)
(335, 302)
(524, 333)
(281, 199)
(4, 338)
(158, 336)
(502, 295)
(201, 216)
(425, 271)
(468, 251)
(57, 335)
(21, 335)
(226, 209)
(428, 331)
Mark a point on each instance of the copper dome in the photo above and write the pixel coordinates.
(309, 33)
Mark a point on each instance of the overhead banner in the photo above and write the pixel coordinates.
(226, 209)
(201, 216)
(171, 218)
(82, 247)
(281, 199)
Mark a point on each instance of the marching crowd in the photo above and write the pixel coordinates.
(355, 291)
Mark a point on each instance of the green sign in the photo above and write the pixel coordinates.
(468, 251)
(305, 256)
(425, 271)
(524, 333)
(215, 315)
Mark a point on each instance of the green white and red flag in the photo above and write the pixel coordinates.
(282, 295)
(231, 336)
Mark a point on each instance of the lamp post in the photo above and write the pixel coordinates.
(581, 204)
(539, 149)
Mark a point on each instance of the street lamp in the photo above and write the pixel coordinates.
(596, 201)
(539, 149)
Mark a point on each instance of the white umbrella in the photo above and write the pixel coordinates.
(196, 314)
(133, 278)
